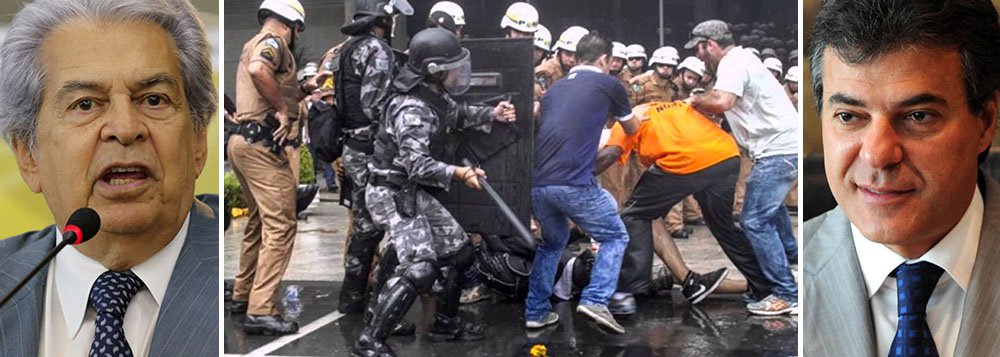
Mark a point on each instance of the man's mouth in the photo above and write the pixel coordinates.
(123, 175)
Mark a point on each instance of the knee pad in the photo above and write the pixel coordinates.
(422, 275)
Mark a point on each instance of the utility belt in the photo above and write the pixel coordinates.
(405, 197)
(366, 146)
(257, 132)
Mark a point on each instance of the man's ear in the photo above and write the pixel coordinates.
(27, 164)
(200, 150)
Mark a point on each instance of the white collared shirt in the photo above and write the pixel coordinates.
(955, 253)
(68, 321)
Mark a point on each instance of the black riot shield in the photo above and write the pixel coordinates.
(501, 70)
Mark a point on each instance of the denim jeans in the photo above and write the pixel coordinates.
(593, 209)
(766, 223)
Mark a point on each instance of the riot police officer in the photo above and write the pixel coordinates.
(365, 70)
(636, 61)
(655, 85)
(267, 96)
(431, 246)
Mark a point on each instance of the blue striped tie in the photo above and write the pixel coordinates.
(110, 296)
(915, 283)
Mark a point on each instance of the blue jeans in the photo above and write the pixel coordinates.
(593, 209)
(766, 223)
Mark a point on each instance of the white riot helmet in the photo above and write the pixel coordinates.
(543, 38)
(665, 55)
(619, 50)
(693, 64)
(452, 9)
(290, 10)
(773, 64)
(794, 74)
(636, 50)
(520, 16)
(569, 38)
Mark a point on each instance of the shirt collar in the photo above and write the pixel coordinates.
(955, 253)
(585, 67)
(76, 273)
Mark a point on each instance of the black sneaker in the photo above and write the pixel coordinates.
(680, 234)
(695, 222)
(238, 307)
(698, 286)
(663, 280)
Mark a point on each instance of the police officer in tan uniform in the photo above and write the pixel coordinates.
(267, 96)
(619, 55)
(564, 59)
(520, 21)
(636, 62)
(655, 85)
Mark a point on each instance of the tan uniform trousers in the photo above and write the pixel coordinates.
(685, 210)
(269, 192)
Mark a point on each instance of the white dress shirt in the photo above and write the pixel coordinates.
(955, 253)
(68, 320)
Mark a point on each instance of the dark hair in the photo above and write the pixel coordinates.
(592, 46)
(861, 31)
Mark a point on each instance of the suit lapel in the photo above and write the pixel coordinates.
(837, 320)
(20, 318)
(981, 316)
(189, 318)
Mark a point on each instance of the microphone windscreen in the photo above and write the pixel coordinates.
(87, 221)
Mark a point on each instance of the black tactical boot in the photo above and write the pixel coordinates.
(383, 272)
(394, 304)
(353, 293)
(447, 325)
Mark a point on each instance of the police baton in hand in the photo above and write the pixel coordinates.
(504, 208)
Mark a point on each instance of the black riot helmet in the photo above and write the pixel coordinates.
(438, 56)
(377, 12)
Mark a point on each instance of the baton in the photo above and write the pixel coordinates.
(504, 208)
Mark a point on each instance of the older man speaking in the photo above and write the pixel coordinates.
(105, 105)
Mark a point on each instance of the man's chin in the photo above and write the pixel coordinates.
(124, 220)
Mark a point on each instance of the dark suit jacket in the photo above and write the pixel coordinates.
(188, 324)
(837, 317)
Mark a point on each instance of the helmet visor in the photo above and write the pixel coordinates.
(459, 76)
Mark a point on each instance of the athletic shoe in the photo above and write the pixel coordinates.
(772, 305)
(698, 286)
(550, 319)
(601, 316)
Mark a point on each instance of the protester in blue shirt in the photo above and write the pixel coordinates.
(573, 112)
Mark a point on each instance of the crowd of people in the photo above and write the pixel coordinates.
(711, 139)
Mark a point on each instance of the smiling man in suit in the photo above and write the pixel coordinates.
(907, 263)
(106, 104)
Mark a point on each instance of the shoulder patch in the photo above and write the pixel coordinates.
(636, 87)
(270, 50)
(412, 119)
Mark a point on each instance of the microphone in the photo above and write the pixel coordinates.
(82, 225)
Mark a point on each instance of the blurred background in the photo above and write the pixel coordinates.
(22, 210)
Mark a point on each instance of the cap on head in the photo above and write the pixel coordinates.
(570, 38)
(543, 38)
(693, 64)
(289, 10)
(636, 50)
(709, 30)
(665, 55)
(520, 16)
(309, 70)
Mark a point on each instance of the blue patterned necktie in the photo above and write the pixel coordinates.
(110, 296)
(914, 285)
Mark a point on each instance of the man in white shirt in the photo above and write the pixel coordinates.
(106, 105)
(908, 260)
(767, 126)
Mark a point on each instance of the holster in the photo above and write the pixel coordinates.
(262, 132)
(406, 200)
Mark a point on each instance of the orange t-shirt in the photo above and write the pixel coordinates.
(678, 138)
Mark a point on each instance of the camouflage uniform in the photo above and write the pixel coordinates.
(370, 60)
(411, 126)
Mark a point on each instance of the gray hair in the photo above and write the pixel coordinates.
(22, 76)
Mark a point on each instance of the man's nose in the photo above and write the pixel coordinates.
(881, 146)
(123, 122)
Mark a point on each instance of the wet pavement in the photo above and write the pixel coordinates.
(664, 326)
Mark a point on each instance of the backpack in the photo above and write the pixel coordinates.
(325, 132)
